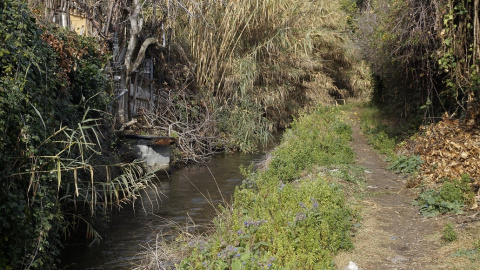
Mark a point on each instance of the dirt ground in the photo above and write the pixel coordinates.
(393, 235)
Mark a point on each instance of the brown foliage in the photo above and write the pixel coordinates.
(449, 150)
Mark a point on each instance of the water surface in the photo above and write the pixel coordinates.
(189, 194)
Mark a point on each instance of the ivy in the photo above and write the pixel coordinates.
(46, 77)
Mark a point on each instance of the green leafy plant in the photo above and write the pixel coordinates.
(56, 173)
(406, 164)
(450, 198)
(448, 233)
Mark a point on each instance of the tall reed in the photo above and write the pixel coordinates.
(278, 56)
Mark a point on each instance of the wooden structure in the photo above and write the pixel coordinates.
(76, 15)
(139, 95)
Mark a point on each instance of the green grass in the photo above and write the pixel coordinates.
(376, 132)
(288, 216)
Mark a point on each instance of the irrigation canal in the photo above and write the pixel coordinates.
(182, 202)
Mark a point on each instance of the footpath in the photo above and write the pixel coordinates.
(392, 235)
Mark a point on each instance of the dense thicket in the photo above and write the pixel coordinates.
(425, 55)
(228, 73)
(52, 90)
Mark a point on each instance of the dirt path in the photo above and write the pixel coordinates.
(392, 234)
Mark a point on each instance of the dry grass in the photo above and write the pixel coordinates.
(368, 249)
(459, 254)
(168, 248)
(280, 54)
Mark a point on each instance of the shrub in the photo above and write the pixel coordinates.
(421, 55)
(51, 144)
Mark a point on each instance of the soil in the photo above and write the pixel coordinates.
(392, 233)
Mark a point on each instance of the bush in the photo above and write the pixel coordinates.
(421, 55)
(50, 148)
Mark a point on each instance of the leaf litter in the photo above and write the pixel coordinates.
(449, 149)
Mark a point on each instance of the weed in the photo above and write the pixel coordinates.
(406, 164)
(448, 233)
(476, 244)
(449, 198)
(471, 254)
(317, 139)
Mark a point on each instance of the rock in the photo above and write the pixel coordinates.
(351, 266)
(398, 259)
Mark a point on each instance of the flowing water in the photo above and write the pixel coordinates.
(188, 195)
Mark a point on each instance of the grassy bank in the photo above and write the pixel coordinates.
(291, 215)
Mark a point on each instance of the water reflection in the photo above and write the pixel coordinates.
(188, 197)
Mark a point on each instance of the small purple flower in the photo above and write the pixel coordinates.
(315, 203)
(239, 232)
(302, 205)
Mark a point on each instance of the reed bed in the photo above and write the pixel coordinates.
(272, 58)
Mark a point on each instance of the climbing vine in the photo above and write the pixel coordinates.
(57, 174)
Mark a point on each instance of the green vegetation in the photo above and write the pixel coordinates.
(448, 233)
(377, 132)
(380, 136)
(424, 55)
(58, 176)
(451, 197)
(289, 215)
(472, 254)
(406, 164)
